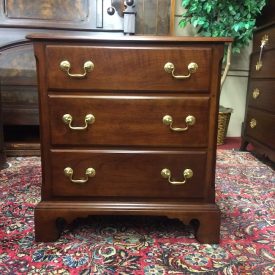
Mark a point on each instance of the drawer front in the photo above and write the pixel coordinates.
(266, 36)
(261, 94)
(128, 174)
(261, 127)
(129, 69)
(130, 120)
(267, 69)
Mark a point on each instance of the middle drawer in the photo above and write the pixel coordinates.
(129, 120)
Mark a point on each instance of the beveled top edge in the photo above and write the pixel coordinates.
(120, 38)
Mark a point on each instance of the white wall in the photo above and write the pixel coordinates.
(233, 93)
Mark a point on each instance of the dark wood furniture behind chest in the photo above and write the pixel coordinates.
(128, 127)
(259, 125)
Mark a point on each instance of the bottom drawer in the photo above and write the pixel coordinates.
(125, 173)
(260, 126)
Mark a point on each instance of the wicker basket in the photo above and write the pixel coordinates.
(223, 121)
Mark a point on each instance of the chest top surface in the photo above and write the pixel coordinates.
(122, 39)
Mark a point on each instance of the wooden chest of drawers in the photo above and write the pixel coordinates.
(259, 125)
(123, 132)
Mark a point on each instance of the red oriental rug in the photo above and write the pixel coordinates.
(143, 245)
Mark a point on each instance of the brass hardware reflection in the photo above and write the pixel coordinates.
(264, 41)
(89, 119)
(170, 69)
(189, 120)
(66, 66)
(256, 93)
(187, 174)
(253, 123)
(89, 173)
(259, 65)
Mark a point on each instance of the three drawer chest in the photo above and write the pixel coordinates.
(259, 124)
(128, 127)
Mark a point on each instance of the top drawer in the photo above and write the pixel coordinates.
(128, 68)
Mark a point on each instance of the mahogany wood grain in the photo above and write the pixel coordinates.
(75, 11)
(128, 173)
(129, 120)
(136, 39)
(204, 217)
(128, 69)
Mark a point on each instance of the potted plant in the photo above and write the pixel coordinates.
(220, 18)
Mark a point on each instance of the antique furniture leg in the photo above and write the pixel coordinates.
(51, 218)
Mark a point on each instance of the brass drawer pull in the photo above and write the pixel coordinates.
(90, 172)
(89, 119)
(264, 41)
(65, 66)
(168, 120)
(187, 174)
(170, 68)
(256, 93)
(253, 123)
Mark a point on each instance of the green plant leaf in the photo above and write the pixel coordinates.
(185, 3)
(182, 23)
(231, 18)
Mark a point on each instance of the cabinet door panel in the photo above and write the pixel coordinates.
(69, 10)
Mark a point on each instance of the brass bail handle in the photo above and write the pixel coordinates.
(68, 119)
(187, 174)
(65, 66)
(89, 173)
(256, 93)
(253, 123)
(264, 41)
(189, 120)
(169, 67)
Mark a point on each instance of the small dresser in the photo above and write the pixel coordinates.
(259, 125)
(128, 127)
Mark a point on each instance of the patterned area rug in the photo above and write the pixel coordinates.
(143, 245)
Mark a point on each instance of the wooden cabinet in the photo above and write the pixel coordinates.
(259, 125)
(128, 127)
